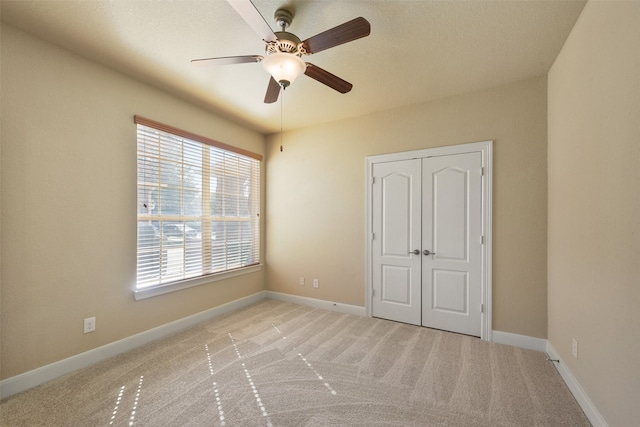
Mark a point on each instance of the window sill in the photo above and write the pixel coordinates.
(140, 294)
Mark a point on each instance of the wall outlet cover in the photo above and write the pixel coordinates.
(89, 324)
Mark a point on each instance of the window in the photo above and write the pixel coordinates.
(198, 206)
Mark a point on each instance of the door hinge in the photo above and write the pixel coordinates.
(481, 308)
(373, 180)
(373, 292)
(373, 236)
(482, 171)
(482, 240)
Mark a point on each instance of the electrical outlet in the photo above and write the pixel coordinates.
(316, 283)
(89, 324)
(302, 281)
(574, 348)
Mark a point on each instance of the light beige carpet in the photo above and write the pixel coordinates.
(282, 364)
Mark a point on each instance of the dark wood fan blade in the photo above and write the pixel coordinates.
(325, 77)
(226, 60)
(349, 31)
(273, 91)
(250, 14)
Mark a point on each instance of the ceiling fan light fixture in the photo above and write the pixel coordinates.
(284, 67)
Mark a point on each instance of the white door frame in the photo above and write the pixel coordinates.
(486, 149)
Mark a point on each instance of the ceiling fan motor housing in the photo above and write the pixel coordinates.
(286, 43)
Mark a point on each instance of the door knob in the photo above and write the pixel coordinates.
(416, 252)
(426, 252)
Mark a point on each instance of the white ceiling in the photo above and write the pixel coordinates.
(417, 51)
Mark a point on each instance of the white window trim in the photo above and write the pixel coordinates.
(144, 293)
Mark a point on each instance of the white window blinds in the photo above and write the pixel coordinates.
(198, 206)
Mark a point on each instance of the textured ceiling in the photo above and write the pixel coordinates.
(417, 51)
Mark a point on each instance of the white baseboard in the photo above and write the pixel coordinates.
(578, 392)
(539, 344)
(38, 376)
(318, 303)
(522, 341)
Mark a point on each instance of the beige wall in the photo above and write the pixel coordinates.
(68, 204)
(316, 196)
(594, 206)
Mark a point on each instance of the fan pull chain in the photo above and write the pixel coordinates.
(281, 102)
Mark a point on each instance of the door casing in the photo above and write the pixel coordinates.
(486, 149)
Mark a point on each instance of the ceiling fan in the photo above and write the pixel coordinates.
(284, 50)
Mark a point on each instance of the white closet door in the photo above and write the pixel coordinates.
(396, 275)
(451, 242)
